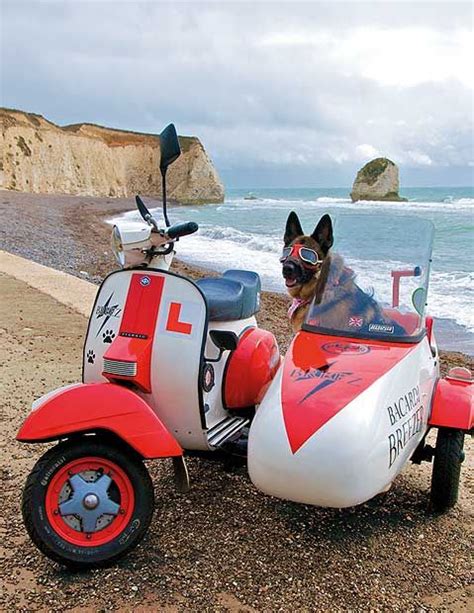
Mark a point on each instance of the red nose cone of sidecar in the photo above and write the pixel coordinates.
(323, 374)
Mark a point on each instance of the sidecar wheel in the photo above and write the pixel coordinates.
(448, 458)
(87, 503)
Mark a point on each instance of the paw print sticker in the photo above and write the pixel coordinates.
(90, 356)
(108, 336)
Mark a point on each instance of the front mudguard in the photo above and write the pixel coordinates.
(98, 407)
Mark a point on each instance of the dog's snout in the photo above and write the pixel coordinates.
(290, 270)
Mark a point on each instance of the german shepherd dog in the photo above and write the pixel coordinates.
(311, 271)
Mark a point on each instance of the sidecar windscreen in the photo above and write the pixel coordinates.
(374, 284)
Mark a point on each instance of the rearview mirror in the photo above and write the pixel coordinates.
(169, 147)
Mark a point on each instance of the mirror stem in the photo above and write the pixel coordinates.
(165, 212)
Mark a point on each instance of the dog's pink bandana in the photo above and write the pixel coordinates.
(295, 305)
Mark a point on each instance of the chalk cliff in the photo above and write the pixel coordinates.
(377, 180)
(84, 159)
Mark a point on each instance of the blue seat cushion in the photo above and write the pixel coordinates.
(252, 288)
(233, 296)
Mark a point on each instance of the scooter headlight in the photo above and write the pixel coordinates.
(117, 246)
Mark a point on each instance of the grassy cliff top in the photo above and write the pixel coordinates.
(373, 169)
(114, 137)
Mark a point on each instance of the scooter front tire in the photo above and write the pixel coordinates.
(87, 502)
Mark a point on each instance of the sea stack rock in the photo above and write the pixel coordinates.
(89, 160)
(377, 180)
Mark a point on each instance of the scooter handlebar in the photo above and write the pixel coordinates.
(182, 229)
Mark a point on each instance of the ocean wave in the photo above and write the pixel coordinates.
(255, 242)
(340, 204)
(330, 199)
(463, 201)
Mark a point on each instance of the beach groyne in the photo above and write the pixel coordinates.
(39, 156)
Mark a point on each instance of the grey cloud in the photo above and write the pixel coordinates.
(139, 65)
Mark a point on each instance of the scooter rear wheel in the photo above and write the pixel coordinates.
(87, 502)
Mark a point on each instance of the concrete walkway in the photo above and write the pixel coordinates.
(75, 293)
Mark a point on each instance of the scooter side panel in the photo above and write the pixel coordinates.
(358, 451)
(175, 362)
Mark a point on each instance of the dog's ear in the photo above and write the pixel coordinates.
(323, 233)
(293, 228)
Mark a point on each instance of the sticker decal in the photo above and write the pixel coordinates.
(356, 322)
(383, 328)
(108, 336)
(90, 356)
(299, 374)
(406, 418)
(174, 324)
(338, 348)
(145, 281)
(208, 378)
(106, 310)
(134, 335)
(324, 378)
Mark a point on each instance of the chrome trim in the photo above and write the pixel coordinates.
(117, 367)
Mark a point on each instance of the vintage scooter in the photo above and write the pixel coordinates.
(173, 366)
(169, 365)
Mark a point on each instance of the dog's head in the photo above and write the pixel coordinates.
(303, 255)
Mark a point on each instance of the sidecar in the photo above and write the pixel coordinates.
(358, 392)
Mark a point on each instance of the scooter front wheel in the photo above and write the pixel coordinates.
(87, 502)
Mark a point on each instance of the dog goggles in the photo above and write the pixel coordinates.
(306, 255)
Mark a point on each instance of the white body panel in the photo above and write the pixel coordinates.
(176, 358)
(353, 456)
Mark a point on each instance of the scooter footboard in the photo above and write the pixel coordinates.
(93, 407)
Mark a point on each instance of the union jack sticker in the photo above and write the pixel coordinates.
(356, 322)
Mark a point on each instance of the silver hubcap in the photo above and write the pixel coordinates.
(88, 508)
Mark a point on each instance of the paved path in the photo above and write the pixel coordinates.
(71, 291)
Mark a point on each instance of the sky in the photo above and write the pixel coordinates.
(282, 94)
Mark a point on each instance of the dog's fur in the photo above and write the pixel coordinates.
(330, 282)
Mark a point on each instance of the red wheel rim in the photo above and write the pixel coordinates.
(125, 501)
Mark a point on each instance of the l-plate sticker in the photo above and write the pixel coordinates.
(180, 319)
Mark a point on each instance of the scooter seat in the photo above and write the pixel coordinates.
(231, 297)
(252, 287)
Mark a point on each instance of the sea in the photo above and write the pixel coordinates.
(246, 232)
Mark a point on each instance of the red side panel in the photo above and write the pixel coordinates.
(137, 328)
(251, 368)
(101, 406)
(322, 374)
(453, 405)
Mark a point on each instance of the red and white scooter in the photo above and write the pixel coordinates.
(173, 366)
